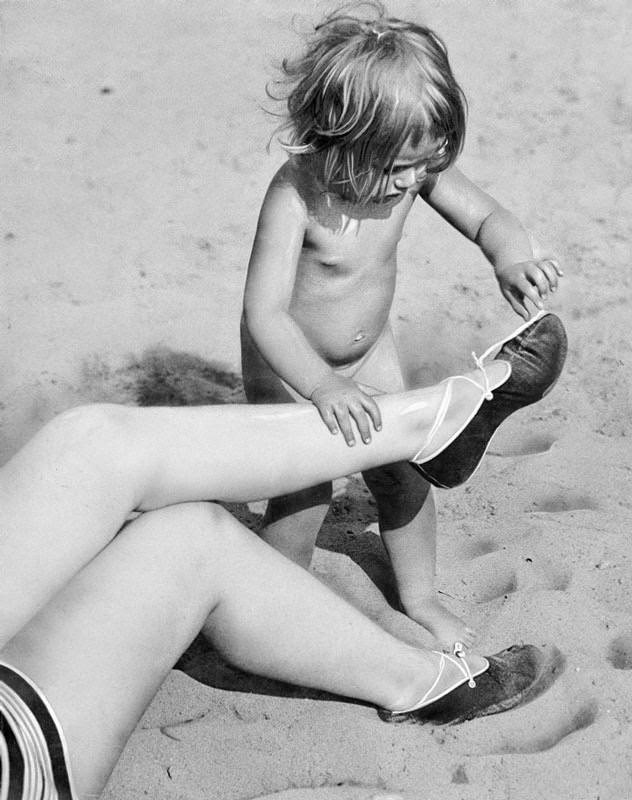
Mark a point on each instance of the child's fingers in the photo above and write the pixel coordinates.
(344, 423)
(538, 278)
(549, 269)
(362, 420)
(529, 291)
(328, 417)
(549, 258)
(519, 307)
(373, 410)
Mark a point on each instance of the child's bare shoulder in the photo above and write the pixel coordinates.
(286, 188)
(283, 208)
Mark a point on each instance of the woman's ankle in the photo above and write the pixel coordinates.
(418, 671)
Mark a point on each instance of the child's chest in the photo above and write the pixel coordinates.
(365, 239)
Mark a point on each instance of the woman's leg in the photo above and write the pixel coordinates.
(101, 648)
(240, 453)
(68, 491)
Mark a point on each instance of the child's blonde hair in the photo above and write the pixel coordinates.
(363, 89)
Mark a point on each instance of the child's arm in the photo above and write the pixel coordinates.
(524, 271)
(267, 297)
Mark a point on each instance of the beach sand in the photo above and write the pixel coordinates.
(134, 162)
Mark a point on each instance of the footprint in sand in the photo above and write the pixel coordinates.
(498, 586)
(490, 584)
(530, 446)
(620, 652)
(481, 547)
(535, 573)
(529, 574)
(564, 501)
(528, 742)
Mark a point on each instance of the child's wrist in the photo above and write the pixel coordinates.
(319, 384)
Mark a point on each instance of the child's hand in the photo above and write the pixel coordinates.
(339, 399)
(528, 280)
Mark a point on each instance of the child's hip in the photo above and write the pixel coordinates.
(378, 371)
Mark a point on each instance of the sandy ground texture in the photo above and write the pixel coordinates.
(133, 163)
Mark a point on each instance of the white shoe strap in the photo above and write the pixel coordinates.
(486, 388)
(459, 661)
(480, 360)
(517, 332)
(459, 652)
(440, 415)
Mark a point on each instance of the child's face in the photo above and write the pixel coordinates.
(411, 167)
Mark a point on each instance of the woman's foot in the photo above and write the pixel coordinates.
(447, 674)
(535, 354)
(446, 627)
(463, 395)
(513, 677)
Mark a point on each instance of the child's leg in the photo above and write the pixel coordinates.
(408, 528)
(406, 513)
(101, 648)
(292, 522)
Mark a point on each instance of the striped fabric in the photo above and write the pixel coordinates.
(33, 758)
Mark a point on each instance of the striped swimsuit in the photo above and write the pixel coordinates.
(33, 755)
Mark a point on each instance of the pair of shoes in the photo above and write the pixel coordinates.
(453, 672)
(515, 677)
(535, 354)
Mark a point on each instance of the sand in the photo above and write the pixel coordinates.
(133, 164)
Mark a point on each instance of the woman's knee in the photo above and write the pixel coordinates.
(90, 422)
(101, 433)
(203, 533)
(202, 517)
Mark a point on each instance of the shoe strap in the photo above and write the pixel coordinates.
(460, 662)
(480, 360)
(497, 345)
(445, 403)
(439, 416)
(459, 652)
(455, 659)
(485, 388)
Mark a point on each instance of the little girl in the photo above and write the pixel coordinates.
(375, 121)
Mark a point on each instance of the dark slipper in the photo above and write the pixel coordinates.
(515, 677)
(536, 354)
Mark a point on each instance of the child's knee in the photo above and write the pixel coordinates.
(297, 502)
(400, 492)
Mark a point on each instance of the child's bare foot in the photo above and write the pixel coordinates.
(445, 626)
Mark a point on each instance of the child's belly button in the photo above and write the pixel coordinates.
(359, 337)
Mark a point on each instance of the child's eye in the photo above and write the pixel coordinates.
(396, 170)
